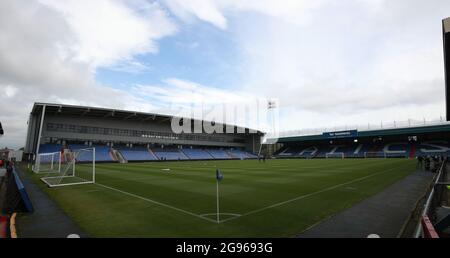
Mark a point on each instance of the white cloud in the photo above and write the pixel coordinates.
(184, 98)
(205, 10)
(329, 63)
(49, 51)
(214, 11)
(107, 32)
(8, 90)
(367, 65)
(175, 94)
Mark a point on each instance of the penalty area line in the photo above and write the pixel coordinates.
(156, 202)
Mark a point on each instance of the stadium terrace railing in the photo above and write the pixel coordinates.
(431, 203)
(367, 127)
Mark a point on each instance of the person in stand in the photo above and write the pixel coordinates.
(427, 163)
(420, 162)
(9, 168)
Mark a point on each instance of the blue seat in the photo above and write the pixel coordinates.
(136, 154)
(197, 154)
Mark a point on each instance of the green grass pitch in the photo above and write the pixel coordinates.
(279, 198)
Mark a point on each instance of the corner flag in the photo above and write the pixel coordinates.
(219, 178)
(218, 175)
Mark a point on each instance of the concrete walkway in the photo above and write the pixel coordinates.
(47, 220)
(383, 214)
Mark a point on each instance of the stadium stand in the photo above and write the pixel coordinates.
(397, 150)
(240, 154)
(49, 147)
(102, 153)
(77, 127)
(432, 148)
(169, 154)
(196, 153)
(369, 150)
(219, 154)
(136, 154)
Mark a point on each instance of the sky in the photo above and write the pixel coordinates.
(328, 63)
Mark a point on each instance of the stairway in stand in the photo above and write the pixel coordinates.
(412, 151)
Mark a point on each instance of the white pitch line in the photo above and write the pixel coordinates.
(91, 191)
(223, 213)
(158, 203)
(305, 196)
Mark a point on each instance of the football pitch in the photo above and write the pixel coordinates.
(278, 198)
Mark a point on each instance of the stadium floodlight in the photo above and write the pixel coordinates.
(339, 155)
(77, 167)
(375, 154)
(47, 163)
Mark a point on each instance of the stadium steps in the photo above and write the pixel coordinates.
(153, 154)
(218, 155)
(198, 154)
(207, 152)
(184, 154)
(412, 151)
(231, 155)
(119, 157)
(112, 155)
(284, 152)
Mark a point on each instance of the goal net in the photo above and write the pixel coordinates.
(375, 154)
(48, 163)
(338, 155)
(78, 167)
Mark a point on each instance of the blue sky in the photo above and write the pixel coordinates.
(329, 63)
(200, 53)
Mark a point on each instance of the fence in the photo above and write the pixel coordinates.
(433, 201)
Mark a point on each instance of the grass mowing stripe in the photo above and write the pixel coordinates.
(140, 200)
(306, 195)
(155, 202)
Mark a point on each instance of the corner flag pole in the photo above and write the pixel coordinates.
(218, 178)
(217, 194)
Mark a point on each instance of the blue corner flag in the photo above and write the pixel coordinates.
(218, 175)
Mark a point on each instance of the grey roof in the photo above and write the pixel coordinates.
(446, 25)
(99, 112)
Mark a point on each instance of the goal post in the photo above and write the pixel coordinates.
(338, 155)
(78, 168)
(47, 163)
(375, 154)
